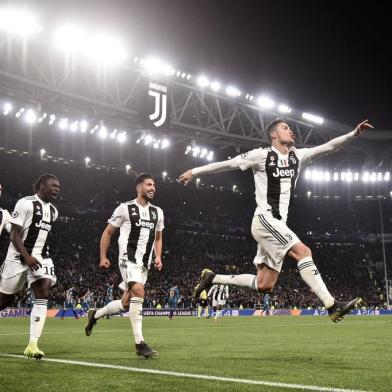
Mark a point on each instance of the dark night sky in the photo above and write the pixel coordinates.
(321, 57)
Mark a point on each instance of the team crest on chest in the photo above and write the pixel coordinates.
(154, 215)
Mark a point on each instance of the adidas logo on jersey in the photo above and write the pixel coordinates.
(284, 173)
(147, 224)
(44, 226)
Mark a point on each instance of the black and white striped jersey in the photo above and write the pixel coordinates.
(276, 174)
(219, 292)
(138, 226)
(5, 220)
(36, 218)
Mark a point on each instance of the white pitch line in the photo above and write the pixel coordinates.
(191, 375)
(204, 327)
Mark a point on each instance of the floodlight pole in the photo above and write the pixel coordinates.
(383, 252)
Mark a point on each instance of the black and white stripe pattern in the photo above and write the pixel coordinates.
(306, 264)
(153, 212)
(42, 302)
(134, 234)
(278, 236)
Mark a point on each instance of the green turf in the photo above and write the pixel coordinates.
(355, 354)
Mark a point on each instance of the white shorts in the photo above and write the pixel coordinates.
(274, 240)
(14, 275)
(216, 303)
(132, 272)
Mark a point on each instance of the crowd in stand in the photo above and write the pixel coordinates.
(203, 228)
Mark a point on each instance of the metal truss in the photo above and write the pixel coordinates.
(35, 73)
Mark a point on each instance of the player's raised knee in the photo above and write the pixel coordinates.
(264, 287)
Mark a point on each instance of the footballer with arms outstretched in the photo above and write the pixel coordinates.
(275, 170)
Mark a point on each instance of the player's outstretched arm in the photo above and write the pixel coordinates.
(337, 143)
(216, 167)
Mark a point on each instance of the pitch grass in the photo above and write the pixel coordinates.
(355, 354)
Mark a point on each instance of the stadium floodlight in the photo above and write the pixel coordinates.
(313, 118)
(373, 177)
(113, 133)
(308, 193)
(196, 151)
(284, 108)
(365, 177)
(203, 81)
(165, 143)
(188, 77)
(349, 177)
(210, 156)
(19, 22)
(308, 174)
(327, 176)
(379, 176)
(92, 131)
(30, 116)
(103, 132)
(188, 150)
(83, 126)
(234, 188)
(164, 174)
(105, 49)
(148, 139)
(7, 108)
(52, 119)
(178, 73)
(122, 137)
(203, 153)
(387, 176)
(215, 85)
(356, 176)
(87, 160)
(19, 112)
(127, 168)
(390, 193)
(233, 91)
(70, 39)
(265, 102)
(184, 75)
(42, 152)
(156, 144)
(153, 65)
(335, 176)
(63, 123)
(169, 70)
(74, 126)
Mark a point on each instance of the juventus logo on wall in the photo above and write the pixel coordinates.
(156, 108)
(160, 110)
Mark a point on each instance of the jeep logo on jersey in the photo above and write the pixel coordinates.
(160, 103)
(284, 173)
(146, 224)
(43, 225)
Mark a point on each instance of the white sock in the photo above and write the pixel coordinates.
(135, 314)
(37, 319)
(111, 308)
(313, 279)
(247, 281)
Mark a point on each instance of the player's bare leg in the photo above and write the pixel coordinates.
(311, 276)
(37, 317)
(5, 300)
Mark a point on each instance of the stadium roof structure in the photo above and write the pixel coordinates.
(35, 73)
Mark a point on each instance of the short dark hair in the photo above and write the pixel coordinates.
(42, 180)
(143, 176)
(272, 126)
